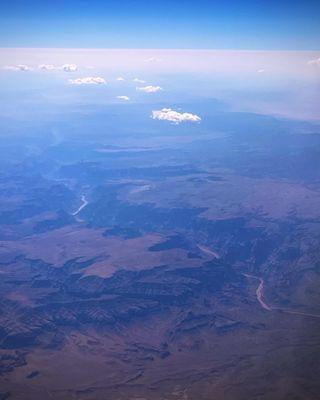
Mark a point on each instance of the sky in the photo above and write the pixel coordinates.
(178, 24)
(251, 56)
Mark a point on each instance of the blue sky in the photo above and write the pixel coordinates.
(256, 25)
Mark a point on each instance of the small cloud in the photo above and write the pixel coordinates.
(137, 80)
(19, 67)
(46, 67)
(153, 60)
(261, 71)
(90, 80)
(69, 67)
(149, 89)
(315, 62)
(120, 79)
(124, 98)
(167, 114)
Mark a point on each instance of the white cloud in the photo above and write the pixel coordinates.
(150, 89)
(167, 114)
(152, 60)
(120, 79)
(19, 67)
(315, 62)
(137, 80)
(46, 67)
(90, 80)
(261, 71)
(124, 98)
(69, 67)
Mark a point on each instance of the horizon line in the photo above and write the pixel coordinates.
(158, 49)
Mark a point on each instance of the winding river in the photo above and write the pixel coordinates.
(84, 203)
(259, 291)
(265, 306)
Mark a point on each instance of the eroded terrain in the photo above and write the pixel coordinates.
(173, 267)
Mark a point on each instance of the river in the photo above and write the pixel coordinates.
(83, 204)
(265, 306)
